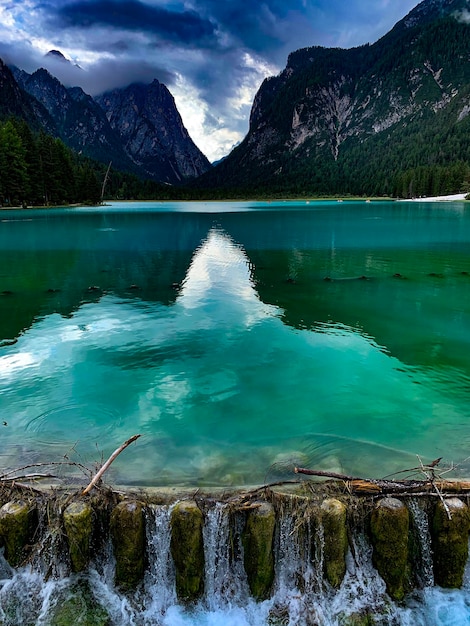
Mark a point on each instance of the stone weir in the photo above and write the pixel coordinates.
(413, 542)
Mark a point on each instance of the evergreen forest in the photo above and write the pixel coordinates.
(37, 169)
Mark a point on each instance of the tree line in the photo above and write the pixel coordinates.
(37, 169)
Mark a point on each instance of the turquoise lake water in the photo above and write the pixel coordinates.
(239, 339)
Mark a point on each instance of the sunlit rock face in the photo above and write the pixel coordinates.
(332, 119)
(152, 131)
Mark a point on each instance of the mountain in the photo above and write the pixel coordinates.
(15, 102)
(365, 120)
(78, 119)
(152, 131)
(137, 128)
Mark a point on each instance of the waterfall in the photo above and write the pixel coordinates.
(225, 578)
(421, 524)
(41, 592)
(159, 583)
(302, 596)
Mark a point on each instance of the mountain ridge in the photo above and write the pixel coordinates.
(356, 120)
(152, 130)
(164, 152)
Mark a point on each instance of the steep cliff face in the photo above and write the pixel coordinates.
(334, 117)
(79, 121)
(138, 128)
(152, 132)
(14, 101)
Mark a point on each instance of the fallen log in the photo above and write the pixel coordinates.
(369, 486)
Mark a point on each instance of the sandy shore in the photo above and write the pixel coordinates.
(451, 198)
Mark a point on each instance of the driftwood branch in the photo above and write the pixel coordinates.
(430, 474)
(308, 472)
(383, 486)
(12, 474)
(103, 469)
(28, 477)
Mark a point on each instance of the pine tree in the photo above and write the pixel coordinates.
(13, 169)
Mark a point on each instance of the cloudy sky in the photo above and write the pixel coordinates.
(211, 54)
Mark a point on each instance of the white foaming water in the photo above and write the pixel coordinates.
(225, 578)
(423, 534)
(300, 596)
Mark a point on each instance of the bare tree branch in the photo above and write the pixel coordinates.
(103, 469)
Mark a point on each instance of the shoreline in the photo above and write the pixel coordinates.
(458, 197)
(455, 197)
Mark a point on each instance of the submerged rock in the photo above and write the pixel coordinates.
(358, 619)
(79, 607)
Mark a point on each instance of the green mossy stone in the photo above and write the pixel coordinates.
(450, 543)
(79, 608)
(187, 550)
(78, 522)
(257, 540)
(127, 526)
(333, 518)
(357, 619)
(16, 526)
(390, 522)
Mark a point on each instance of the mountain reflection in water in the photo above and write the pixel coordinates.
(239, 339)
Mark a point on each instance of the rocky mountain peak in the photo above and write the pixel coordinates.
(152, 131)
(138, 128)
(333, 118)
(14, 101)
(57, 55)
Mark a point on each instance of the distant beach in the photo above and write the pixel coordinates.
(450, 198)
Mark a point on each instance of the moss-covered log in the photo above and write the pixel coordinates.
(187, 550)
(333, 518)
(257, 539)
(127, 527)
(78, 522)
(450, 542)
(390, 522)
(17, 521)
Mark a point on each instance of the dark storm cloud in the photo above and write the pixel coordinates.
(212, 54)
(183, 27)
(105, 74)
(262, 27)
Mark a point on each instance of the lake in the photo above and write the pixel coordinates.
(239, 339)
